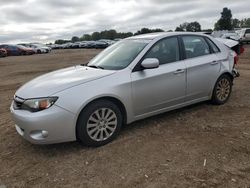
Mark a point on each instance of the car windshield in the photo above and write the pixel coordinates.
(119, 55)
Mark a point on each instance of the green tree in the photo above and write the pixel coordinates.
(96, 36)
(147, 30)
(108, 34)
(86, 37)
(193, 27)
(225, 22)
(179, 29)
(60, 41)
(207, 30)
(245, 22)
(75, 39)
(235, 23)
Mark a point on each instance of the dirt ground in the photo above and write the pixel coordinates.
(198, 146)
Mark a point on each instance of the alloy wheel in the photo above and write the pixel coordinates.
(101, 124)
(223, 89)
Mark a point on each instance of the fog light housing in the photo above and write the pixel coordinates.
(45, 134)
(39, 134)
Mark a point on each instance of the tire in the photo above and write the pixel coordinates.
(222, 90)
(39, 51)
(93, 131)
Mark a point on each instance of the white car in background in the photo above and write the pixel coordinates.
(244, 34)
(233, 36)
(41, 48)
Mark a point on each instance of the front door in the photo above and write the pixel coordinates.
(162, 87)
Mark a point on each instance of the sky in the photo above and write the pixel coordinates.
(48, 20)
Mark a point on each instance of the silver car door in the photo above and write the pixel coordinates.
(162, 87)
(202, 67)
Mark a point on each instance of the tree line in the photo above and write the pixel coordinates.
(226, 22)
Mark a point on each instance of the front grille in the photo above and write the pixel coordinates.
(18, 102)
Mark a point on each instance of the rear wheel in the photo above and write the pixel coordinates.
(99, 123)
(222, 90)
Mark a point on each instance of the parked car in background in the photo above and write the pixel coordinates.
(26, 50)
(90, 44)
(17, 50)
(100, 44)
(55, 46)
(135, 78)
(47, 48)
(38, 48)
(233, 36)
(244, 34)
(3, 52)
(109, 42)
(76, 45)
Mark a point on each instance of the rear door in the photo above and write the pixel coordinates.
(202, 67)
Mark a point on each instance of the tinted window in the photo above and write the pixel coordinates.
(166, 51)
(195, 46)
(12, 48)
(248, 31)
(213, 46)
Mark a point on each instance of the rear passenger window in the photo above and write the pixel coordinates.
(166, 51)
(195, 46)
(248, 31)
(213, 46)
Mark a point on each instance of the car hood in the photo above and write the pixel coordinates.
(53, 82)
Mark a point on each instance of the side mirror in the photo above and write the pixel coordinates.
(150, 63)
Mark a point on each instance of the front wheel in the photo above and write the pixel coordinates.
(99, 123)
(222, 90)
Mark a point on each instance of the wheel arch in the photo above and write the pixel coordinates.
(112, 99)
(223, 73)
(228, 74)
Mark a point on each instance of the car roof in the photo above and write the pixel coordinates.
(152, 36)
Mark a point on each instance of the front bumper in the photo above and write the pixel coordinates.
(53, 125)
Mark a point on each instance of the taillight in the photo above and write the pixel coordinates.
(236, 59)
(242, 49)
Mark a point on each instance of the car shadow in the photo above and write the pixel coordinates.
(160, 117)
(69, 147)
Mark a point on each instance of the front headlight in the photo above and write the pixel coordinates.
(38, 104)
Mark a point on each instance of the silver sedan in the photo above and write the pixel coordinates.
(133, 79)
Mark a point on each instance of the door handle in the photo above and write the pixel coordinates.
(214, 62)
(179, 71)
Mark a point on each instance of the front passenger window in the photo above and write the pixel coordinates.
(166, 51)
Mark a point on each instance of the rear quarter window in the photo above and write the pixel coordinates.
(213, 45)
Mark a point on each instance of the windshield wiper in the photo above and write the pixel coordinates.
(95, 66)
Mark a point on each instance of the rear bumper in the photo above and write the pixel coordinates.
(235, 73)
